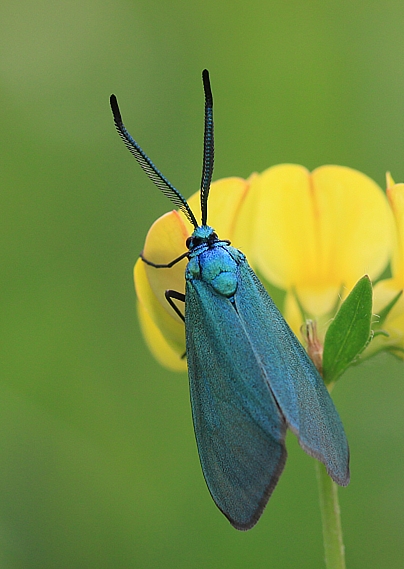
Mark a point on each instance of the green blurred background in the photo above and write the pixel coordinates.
(98, 464)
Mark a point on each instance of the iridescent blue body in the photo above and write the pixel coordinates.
(250, 378)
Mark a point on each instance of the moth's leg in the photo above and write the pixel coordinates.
(170, 294)
(168, 266)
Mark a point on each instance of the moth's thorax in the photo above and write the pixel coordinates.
(213, 262)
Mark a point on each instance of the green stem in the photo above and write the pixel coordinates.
(331, 519)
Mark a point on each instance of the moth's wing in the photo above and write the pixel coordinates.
(239, 430)
(297, 386)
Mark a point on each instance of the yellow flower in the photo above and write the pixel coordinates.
(315, 234)
(311, 234)
(386, 290)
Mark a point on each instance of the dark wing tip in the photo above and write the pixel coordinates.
(345, 478)
(247, 524)
(115, 109)
(340, 479)
(339, 472)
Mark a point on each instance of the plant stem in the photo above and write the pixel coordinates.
(330, 515)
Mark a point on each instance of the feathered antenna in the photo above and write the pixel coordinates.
(208, 147)
(147, 165)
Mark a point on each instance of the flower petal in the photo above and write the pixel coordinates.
(356, 224)
(384, 292)
(225, 199)
(279, 199)
(170, 325)
(316, 232)
(395, 195)
(165, 242)
(158, 345)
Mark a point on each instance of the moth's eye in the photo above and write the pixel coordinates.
(196, 241)
(213, 238)
(188, 242)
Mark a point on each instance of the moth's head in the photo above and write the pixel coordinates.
(203, 235)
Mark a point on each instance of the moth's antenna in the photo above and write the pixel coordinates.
(208, 147)
(147, 165)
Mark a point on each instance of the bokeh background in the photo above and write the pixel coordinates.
(98, 464)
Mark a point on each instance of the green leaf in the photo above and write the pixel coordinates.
(350, 331)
